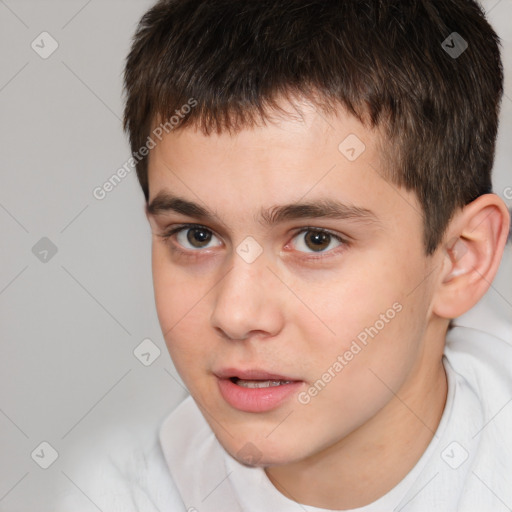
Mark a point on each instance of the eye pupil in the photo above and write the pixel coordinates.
(200, 235)
(319, 240)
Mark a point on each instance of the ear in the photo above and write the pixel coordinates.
(471, 253)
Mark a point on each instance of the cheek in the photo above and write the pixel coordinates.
(352, 380)
(180, 305)
(345, 306)
(366, 318)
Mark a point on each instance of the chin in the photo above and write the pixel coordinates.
(263, 462)
(261, 453)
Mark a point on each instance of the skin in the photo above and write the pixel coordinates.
(292, 314)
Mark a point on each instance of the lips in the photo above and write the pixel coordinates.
(254, 390)
(258, 384)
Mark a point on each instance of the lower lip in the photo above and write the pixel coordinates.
(256, 399)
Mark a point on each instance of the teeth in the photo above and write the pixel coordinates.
(260, 383)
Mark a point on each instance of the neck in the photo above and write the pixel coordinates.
(373, 459)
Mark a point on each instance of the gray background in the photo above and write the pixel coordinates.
(70, 323)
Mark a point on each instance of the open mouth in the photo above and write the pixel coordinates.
(256, 390)
(256, 384)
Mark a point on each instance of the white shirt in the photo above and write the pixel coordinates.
(467, 466)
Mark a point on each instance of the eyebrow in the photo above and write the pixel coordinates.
(320, 208)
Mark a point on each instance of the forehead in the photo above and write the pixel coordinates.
(310, 157)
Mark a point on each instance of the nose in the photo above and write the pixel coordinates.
(247, 301)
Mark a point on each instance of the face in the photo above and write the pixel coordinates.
(288, 325)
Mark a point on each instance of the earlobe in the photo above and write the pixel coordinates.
(477, 236)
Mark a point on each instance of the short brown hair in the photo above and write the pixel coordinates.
(388, 62)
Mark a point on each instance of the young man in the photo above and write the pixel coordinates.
(317, 180)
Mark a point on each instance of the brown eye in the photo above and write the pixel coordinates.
(192, 238)
(316, 240)
(198, 237)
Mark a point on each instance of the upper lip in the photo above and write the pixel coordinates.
(251, 374)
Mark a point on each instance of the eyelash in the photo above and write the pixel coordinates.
(197, 253)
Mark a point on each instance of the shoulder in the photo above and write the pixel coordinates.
(482, 359)
(483, 366)
(196, 460)
(183, 428)
(131, 476)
